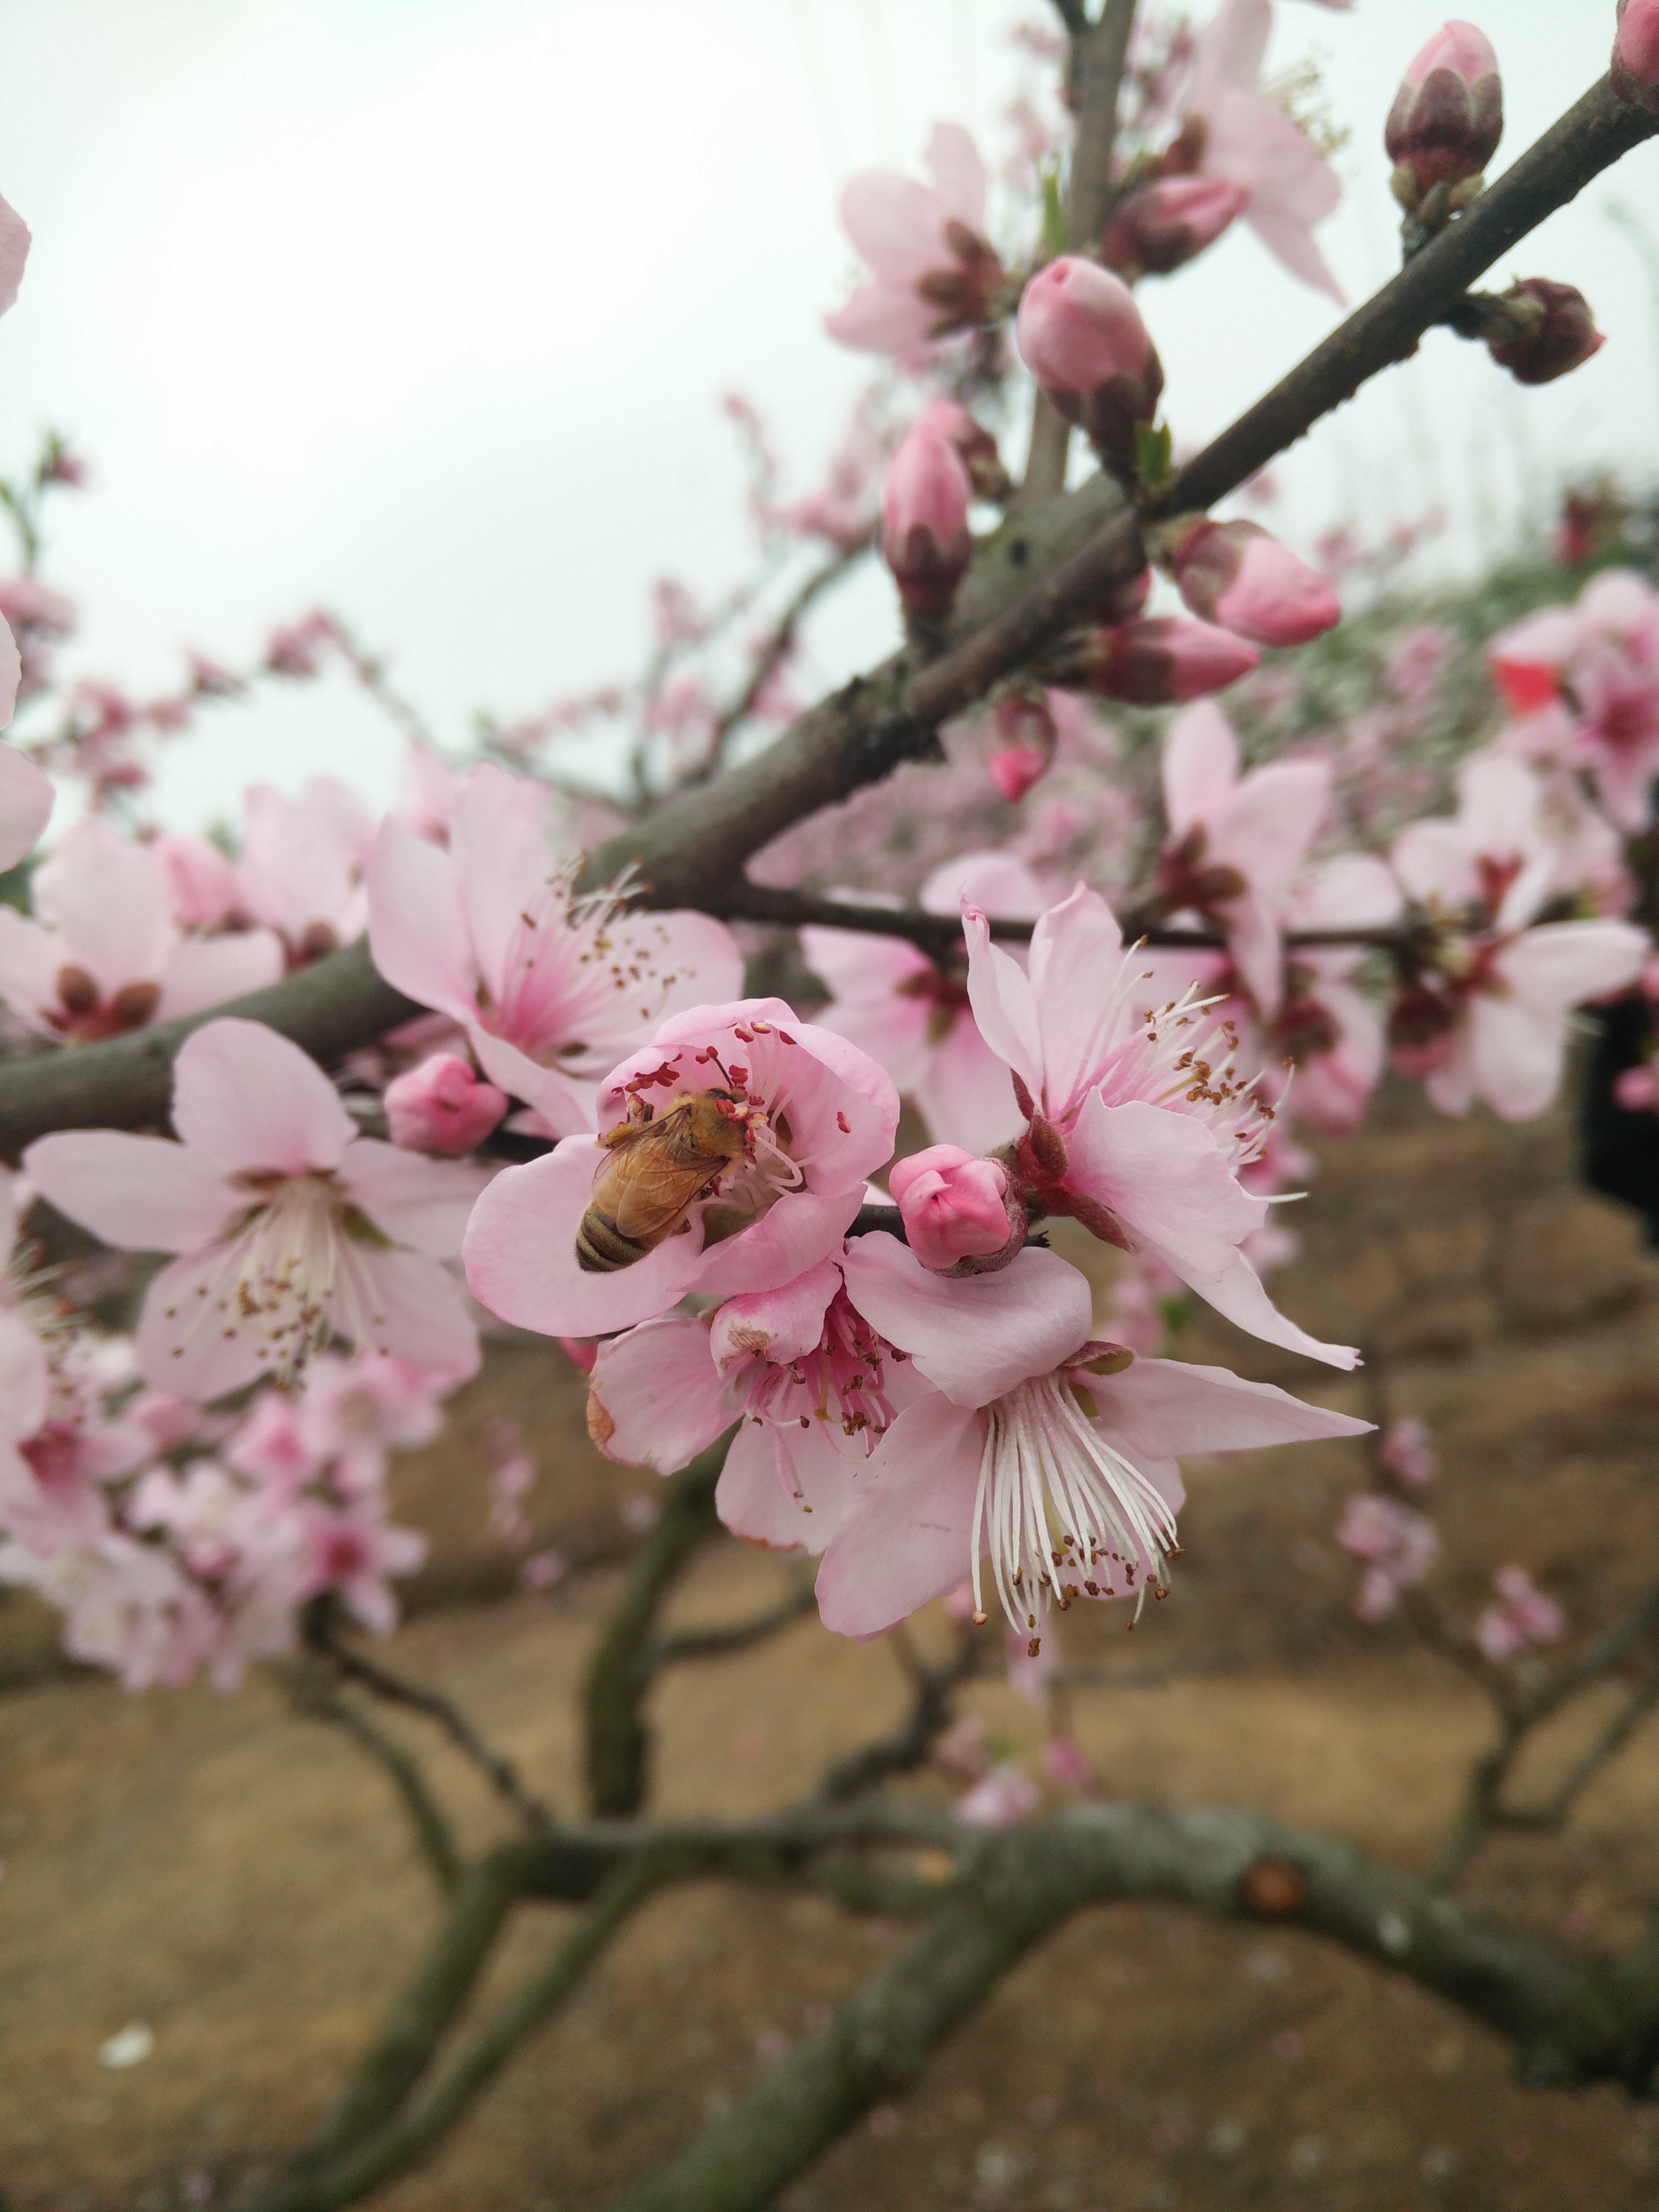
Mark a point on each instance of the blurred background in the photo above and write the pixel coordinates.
(424, 312)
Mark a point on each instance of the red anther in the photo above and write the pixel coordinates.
(784, 1037)
(743, 1035)
(843, 1125)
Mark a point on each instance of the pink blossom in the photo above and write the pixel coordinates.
(1163, 660)
(1448, 115)
(816, 1117)
(1233, 573)
(353, 1412)
(441, 1106)
(128, 1607)
(289, 1225)
(14, 252)
(1395, 1545)
(26, 796)
(1053, 1455)
(551, 987)
(924, 247)
(1635, 52)
(1488, 1019)
(1232, 132)
(1001, 1799)
(1235, 841)
(1169, 223)
(352, 1552)
(1138, 1123)
(1026, 739)
(957, 1209)
(912, 1014)
(52, 1494)
(303, 863)
(1524, 1616)
(925, 539)
(1601, 659)
(972, 443)
(104, 954)
(270, 1447)
(1406, 1450)
(1326, 1027)
(201, 881)
(1080, 334)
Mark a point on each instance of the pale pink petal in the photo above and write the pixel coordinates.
(406, 1306)
(187, 1342)
(1199, 767)
(1233, 46)
(1518, 1054)
(247, 1099)
(25, 1384)
(959, 173)
(26, 796)
(909, 1537)
(1075, 951)
(111, 902)
(520, 1253)
(1435, 864)
(1565, 964)
(14, 252)
(30, 958)
(1000, 993)
(788, 1487)
(882, 318)
(996, 883)
(423, 1203)
(780, 1326)
(978, 1336)
(893, 1031)
(1353, 891)
(857, 967)
(965, 1094)
(1498, 805)
(895, 225)
(206, 971)
(1288, 237)
(566, 1104)
(138, 1193)
(1257, 952)
(1271, 821)
(698, 953)
(416, 928)
(1169, 1183)
(1450, 1087)
(499, 834)
(1160, 1408)
(796, 1232)
(656, 1399)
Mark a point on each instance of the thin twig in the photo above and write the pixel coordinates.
(322, 1633)
(432, 1830)
(741, 1636)
(910, 1745)
(771, 657)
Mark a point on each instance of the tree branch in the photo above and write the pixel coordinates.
(741, 1636)
(911, 1743)
(1571, 2018)
(621, 1670)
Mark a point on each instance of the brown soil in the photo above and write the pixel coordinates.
(237, 1879)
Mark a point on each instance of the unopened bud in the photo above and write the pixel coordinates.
(1636, 53)
(963, 1216)
(1080, 334)
(1163, 661)
(1448, 115)
(924, 507)
(1025, 738)
(441, 1106)
(1548, 330)
(950, 421)
(1169, 224)
(1237, 575)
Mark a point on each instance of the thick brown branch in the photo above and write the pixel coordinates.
(432, 1830)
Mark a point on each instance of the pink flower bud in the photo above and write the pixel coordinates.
(1163, 660)
(1635, 1090)
(1448, 115)
(950, 420)
(1552, 332)
(441, 1106)
(1079, 332)
(1636, 53)
(958, 1209)
(1169, 224)
(1237, 575)
(924, 539)
(1025, 745)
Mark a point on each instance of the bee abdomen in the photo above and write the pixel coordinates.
(601, 1247)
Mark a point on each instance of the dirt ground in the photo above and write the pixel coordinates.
(237, 1879)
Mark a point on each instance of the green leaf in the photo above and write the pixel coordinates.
(1055, 236)
(1154, 454)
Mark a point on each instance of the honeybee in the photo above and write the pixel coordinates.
(656, 1171)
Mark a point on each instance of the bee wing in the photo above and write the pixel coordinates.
(648, 1192)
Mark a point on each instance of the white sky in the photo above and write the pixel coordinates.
(421, 308)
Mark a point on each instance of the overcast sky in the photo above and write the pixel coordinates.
(422, 308)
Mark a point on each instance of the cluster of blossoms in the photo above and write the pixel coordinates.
(1163, 981)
